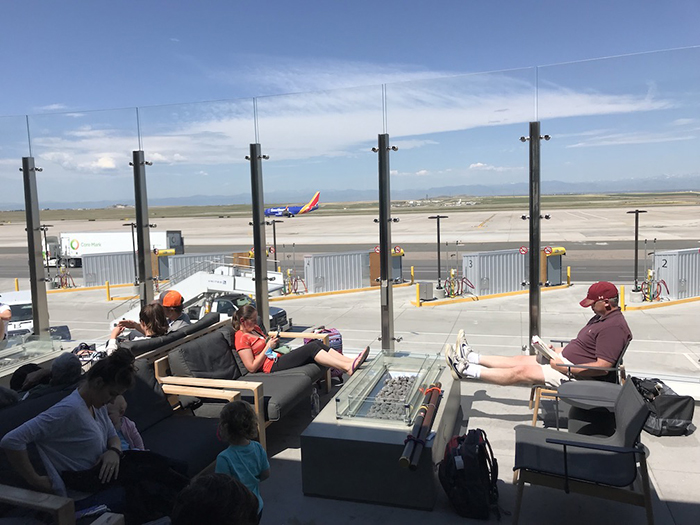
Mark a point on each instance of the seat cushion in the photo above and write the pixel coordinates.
(311, 370)
(209, 356)
(533, 453)
(146, 402)
(185, 438)
(141, 346)
(282, 392)
(205, 322)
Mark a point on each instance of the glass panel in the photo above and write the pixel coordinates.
(199, 187)
(458, 141)
(320, 144)
(85, 157)
(14, 145)
(625, 135)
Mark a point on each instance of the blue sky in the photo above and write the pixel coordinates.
(635, 116)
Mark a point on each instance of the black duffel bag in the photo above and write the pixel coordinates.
(671, 414)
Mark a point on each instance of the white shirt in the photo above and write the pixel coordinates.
(3, 331)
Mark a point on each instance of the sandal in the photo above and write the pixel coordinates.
(363, 356)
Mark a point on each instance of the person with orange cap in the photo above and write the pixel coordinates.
(172, 302)
(599, 344)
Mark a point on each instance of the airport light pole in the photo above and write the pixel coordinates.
(636, 247)
(438, 217)
(133, 250)
(273, 222)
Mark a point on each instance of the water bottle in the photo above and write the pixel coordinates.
(315, 403)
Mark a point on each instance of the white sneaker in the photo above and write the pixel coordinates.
(463, 348)
(456, 366)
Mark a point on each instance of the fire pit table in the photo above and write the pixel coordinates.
(351, 449)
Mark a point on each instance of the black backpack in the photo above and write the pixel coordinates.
(469, 474)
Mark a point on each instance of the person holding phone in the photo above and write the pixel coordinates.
(253, 347)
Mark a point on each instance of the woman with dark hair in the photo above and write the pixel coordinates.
(76, 433)
(153, 323)
(256, 350)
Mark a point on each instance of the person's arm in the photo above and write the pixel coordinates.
(251, 361)
(264, 464)
(583, 372)
(5, 315)
(19, 460)
(264, 474)
(109, 460)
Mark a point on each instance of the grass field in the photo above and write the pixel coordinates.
(452, 203)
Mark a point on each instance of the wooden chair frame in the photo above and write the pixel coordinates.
(537, 392)
(174, 385)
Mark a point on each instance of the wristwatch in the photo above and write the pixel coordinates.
(117, 450)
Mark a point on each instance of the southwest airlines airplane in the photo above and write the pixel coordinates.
(291, 211)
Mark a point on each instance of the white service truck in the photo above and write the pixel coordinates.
(69, 248)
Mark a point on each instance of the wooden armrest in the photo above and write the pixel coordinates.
(230, 384)
(62, 509)
(211, 393)
(297, 335)
(161, 367)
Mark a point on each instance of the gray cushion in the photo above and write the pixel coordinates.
(205, 322)
(282, 392)
(146, 402)
(209, 356)
(141, 346)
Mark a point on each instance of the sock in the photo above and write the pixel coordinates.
(473, 358)
(473, 371)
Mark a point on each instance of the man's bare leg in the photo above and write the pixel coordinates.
(498, 361)
(528, 373)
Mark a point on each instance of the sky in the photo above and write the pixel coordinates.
(454, 83)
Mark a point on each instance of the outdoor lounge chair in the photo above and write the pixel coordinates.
(606, 467)
(615, 374)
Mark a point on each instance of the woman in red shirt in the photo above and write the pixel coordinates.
(252, 346)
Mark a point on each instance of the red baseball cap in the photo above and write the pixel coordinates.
(598, 291)
(170, 299)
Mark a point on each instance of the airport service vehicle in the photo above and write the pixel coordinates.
(227, 304)
(69, 248)
(291, 211)
(22, 322)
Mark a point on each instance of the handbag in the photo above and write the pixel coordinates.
(671, 414)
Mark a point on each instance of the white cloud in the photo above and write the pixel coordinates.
(105, 163)
(480, 166)
(51, 107)
(683, 121)
(421, 173)
(617, 139)
(174, 39)
(412, 144)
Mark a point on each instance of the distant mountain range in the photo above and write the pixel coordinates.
(663, 183)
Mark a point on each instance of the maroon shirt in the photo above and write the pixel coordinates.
(603, 337)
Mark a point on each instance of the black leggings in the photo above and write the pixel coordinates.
(299, 356)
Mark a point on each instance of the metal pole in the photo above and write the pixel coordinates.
(37, 281)
(438, 217)
(534, 232)
(636, 247)
(145, 272)
(259, 244)
(386, 291)
(133, 249)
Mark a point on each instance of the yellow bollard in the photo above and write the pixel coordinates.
(417, 291)
(109, 296)
(568, 275)
(412, 276)
(279, 269)
(16, 285)
(622, 298)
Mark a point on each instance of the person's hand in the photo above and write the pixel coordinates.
(110, 466)
(42, 484)
(272, 343)
(127, 323)
(116, 331)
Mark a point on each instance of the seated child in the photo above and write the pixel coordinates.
(244, 459)
(126, 429)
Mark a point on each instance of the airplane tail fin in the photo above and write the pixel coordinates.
(312, 204)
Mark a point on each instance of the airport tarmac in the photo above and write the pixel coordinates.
(666, 344)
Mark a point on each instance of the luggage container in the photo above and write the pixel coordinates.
(494, 272)
(680, 270)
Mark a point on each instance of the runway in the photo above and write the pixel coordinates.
(599, 242)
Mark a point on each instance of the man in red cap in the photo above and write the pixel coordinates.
(172, 303)
(598, 345)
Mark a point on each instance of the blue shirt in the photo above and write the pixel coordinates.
(245, 463)
(66, 436)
